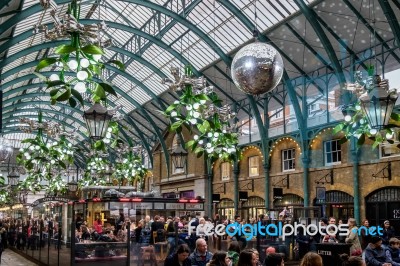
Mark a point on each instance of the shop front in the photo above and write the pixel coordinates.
(253, 207)
(337, 204)
(383, 204)
(287, 207)
(226, 209)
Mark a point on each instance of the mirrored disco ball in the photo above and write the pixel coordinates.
(257, 68)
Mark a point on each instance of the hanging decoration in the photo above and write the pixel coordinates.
(371, 116)
(199, 110)
(6, 149)
(129, 165)
(82, 57)
(51, 129)
(95, 172)
(4, 192)
(257, 68)
(43, 161)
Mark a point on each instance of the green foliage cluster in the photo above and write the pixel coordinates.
(44, 162)
(130, 167)
(212, 135)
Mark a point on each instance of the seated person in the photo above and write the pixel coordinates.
(374, 253)
(393, 252)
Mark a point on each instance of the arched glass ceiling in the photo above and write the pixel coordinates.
(155, 32)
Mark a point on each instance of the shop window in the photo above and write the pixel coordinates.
(225, 171)
(253, 166)
(288, 159)
(333, 152)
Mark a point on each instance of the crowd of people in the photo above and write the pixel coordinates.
(191, 248)
(28, 234)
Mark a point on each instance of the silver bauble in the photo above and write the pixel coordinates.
(257, 68)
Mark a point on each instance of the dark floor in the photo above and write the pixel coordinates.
(50, 256)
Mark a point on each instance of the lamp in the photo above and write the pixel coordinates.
(97, 118)
(108, 173)
(72, 186)
(6, 149)
(23, 196)
(378, 102)
(13, 177)
(179, 155)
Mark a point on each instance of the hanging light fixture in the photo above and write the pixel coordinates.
(23, 196)
(179, 155)
(375, 98)
(13, 177)
(378, 102)
(73, 185)
(97, 118)
(257, 68)
(6, 149)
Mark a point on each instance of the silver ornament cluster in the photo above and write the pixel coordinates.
(257, 68)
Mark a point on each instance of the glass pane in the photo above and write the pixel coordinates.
(328, 146)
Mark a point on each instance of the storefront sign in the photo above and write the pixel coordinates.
(194, 206)
(143, 205)
(159, 205)
(174, 206)
(48, 199)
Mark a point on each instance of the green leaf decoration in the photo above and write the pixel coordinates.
(118, 63)
(201, 128)
(64, 49)
(40, 76)
(72, 102)
(65, 96)
(338, 128)
(376, 144)
(395, 117)
(99, 92)
(176, 125)
(53, 92)
(95, 69)
(55, 83)
(92, 49)
(45, 63)
(78, 96)
(170, 109)
(99, 145)
(108, 88)
(62, 164)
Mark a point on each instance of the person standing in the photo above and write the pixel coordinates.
(364, 232)
(157, 231)
(387, 234)
(352, 238)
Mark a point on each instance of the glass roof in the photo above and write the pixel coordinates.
(175, 29)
